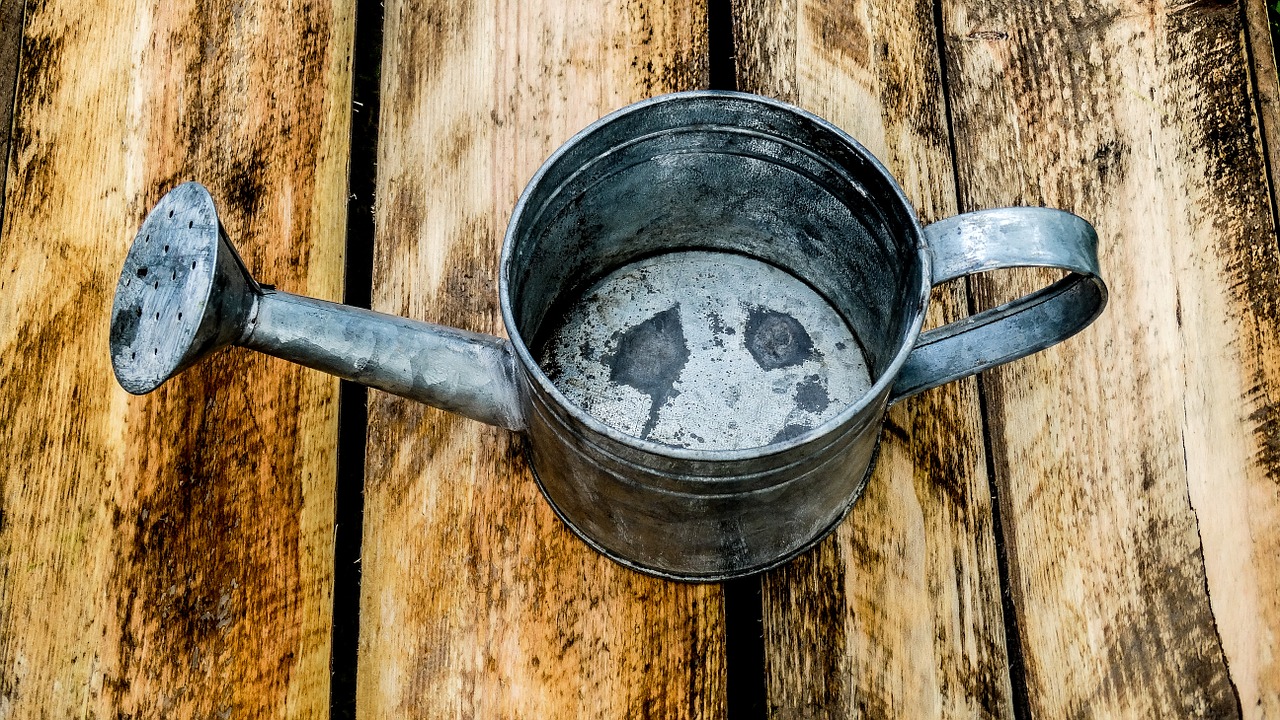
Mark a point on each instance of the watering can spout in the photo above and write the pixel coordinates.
(184, 293)
(467, 373)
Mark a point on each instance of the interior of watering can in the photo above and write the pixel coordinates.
(758, 223)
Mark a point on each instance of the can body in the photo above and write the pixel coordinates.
(696, 520)
(731, 173)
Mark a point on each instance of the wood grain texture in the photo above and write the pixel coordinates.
(1252, 663)
(898, 614)
(167, 556)
(477, 601)
(1137, 463)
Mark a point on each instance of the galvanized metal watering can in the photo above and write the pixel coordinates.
(711, 300)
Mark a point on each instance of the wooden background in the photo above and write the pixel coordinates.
(1090, 532)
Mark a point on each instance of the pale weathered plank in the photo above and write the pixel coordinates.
(1137, 463)
(477, 601)
(898, 614)
(167, 556)
(1253, 664)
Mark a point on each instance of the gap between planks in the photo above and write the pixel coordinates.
(353, 414)
(12, 21)
(1265, 87)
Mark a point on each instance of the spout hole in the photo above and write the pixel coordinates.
(170, 213)
(157, 351)
(191, 224)
(166, 248)
(193, 264)
(127, 281)
(157, 316)
(175, 275)
(155, 285)
(146, 239)
(179, 316)
(133, 355)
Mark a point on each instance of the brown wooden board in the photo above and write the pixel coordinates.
(477, 601)
(167, 556)
(1137, 463)
(899, 613)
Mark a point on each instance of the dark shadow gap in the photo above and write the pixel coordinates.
(13, 21)
(722, 65)
(744, 649)
(352, 398)
(1012, 633)
(1020, 699)
(1251, 65)
(745, 688)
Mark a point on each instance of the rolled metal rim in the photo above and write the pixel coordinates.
(717, 576)
(879, 388)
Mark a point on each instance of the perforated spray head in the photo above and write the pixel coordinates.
(183, 292)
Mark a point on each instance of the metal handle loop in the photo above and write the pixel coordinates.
(1006, 238)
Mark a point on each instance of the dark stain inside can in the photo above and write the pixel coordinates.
(811, 395)
(703, 350)
(649, 358)
(718, 328)
(776, 340)
(789, 431)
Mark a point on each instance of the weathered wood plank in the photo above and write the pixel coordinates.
(898, 614)
(167, 556)
(1253, 666)
(1137, 464)
(477, 602)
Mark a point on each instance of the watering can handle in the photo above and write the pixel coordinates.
(1006, 238)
